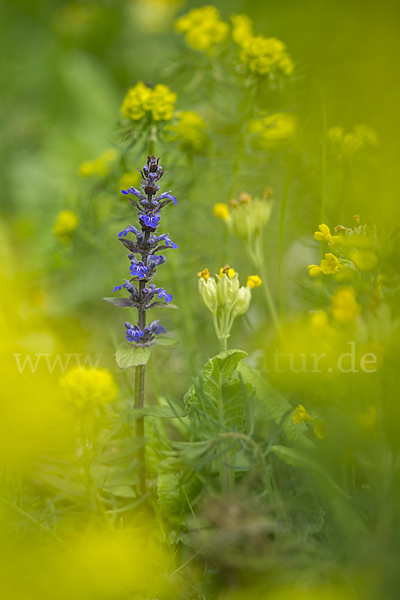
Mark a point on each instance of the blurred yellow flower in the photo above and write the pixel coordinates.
(129, 179)
(368, 419)
(100, 166)
(329, 265)
(221, 211)
(266, 55)
(320, 429)
(203, 28)
(300, 414)
(349, 144)
(324, 234)
(242, 29)
(253, 281)
(189, 129)
(204, 274)
(345, 307)
(365, 260)
(227, 270)
(140, 99)
(66, 223)
(273, 128)
(84, 387)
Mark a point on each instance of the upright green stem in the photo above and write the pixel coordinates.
(285, 196)
(139, 402)
(324, 165)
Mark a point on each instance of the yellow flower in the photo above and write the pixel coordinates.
(253, 281)
(242, 29)
(329, 265)
(345, 307)
(66, 223)
(221, 211)
(100, 166)
(141, 99)
(272, 129)
(314, 270)
(300, 414)
(324, 234)
(320, 429)
(335, 134)
(364, 260)
(368, 419)
(129, 179)
(204, 274)
(189, 129)
(226, 270)
(83, 387)
(203, 28)
(266, 55)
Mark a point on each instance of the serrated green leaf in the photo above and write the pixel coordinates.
(166, 341)
(298, 458)
(129, 355)
(277, 406)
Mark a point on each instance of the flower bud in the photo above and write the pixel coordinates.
(242, 302)
(208, 293)
(228, 289)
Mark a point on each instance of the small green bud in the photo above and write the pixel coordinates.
(209, 294)
(242, 302)
(228, 288)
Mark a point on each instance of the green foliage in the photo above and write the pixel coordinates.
(129, 355)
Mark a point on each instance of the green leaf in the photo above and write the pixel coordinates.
(298, 458)
(119, 302)
(218, 393)
(162, 305)
(129, 355)
(166, 341)
(166, 412)
(277, 406)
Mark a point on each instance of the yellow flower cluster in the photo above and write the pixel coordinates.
(242, 29)
(189, 129)
(300, 414)
(329, 265)
(362, 137)
(100, 166)
(203, 28)
(129, 179)
(141, 100)
(84, 387)
(265, 55)
(273, 128)
(248, 216)
(345, 307)
(66, 223)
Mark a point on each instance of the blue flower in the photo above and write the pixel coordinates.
(135, 192)
(168, 242)
(163, 294)
(138, 269)
(133, 332)
(129, 229)
(154, 329)
(119, 287)
(150, 220)
(169, 196)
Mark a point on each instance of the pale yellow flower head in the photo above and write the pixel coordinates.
(320, 429)
(265, 55)
(188, 128)
(329, 265)
(100, 166)
(253, 281)
(300, 414)
(324, 234)
(204, 274)
(65, 225)
(345, 307)
(242, 29)
(141, 100)
(227, 270)
(84, 387)
(221, 211)
(273, 129)
(203, 28)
